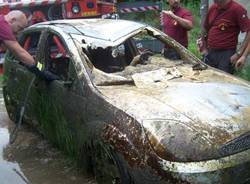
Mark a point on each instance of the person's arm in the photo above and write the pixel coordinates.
(244, 25)
(244, 44)
(242, 59)
(242, 49)
(187, 24)
(28, 60)
(201, 42)
(19, 52)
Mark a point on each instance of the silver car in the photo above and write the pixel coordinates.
(127, 113)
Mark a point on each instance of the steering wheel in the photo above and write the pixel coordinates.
(141, 58)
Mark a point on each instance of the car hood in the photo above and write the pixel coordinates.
(192, 121)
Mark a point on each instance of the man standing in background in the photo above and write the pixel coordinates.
(224, 21)
(176, 24)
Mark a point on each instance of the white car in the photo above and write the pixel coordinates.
(128, 114)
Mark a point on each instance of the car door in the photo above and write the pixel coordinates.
(19, 78)
(62, 103)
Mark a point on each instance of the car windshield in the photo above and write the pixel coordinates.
(136, 57)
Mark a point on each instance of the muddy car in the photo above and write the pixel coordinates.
(127, 113)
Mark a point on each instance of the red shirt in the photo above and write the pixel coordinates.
(224, 25)
(173, 29)
(5, 30)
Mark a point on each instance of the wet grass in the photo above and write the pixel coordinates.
(56, 128)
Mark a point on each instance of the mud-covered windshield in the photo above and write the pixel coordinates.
(140, 56)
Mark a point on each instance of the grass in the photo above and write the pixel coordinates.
(193, 34)
(55, 127)
(244, 73)
(1, 78)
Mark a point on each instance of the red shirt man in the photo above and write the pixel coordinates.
(176, 24)
(224, 25)
(174, 29)
(10, 25)
(5, 31)
(224, 21)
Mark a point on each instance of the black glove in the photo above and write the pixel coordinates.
(46, 75)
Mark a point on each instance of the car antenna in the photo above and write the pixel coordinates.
(20, 113)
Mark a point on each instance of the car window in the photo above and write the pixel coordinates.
(118, 58)
(30, 42)
(139, 56)
(58, 59)
(113, 59)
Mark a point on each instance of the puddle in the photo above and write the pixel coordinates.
(9, 172)
(32, 160)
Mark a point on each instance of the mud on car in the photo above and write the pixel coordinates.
(127, 113)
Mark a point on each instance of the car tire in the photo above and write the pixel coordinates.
(109, 167)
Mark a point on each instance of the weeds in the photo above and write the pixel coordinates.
(55, 127)
(244, 73)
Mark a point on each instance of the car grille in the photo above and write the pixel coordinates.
(236, 145)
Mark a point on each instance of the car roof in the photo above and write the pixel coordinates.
(104, 29)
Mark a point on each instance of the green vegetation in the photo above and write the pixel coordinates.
(193, 34)
(55, 127)
(149, 17)
(244, 73)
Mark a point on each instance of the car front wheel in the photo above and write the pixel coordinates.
(109, 167)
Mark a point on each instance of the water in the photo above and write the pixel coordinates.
(32, 160)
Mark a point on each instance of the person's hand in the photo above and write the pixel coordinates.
(169, 13)
(234, 58)
(45, 75)
(201, 46)
(240, 62)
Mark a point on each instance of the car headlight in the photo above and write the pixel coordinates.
(75, 7)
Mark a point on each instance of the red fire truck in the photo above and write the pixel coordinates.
(43, 10)
(60, 9)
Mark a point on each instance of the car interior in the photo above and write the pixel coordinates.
(57, 57)
(113, 59)
(31, 42)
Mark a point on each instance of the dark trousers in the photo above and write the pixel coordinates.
(220, 59)
(171, 54)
